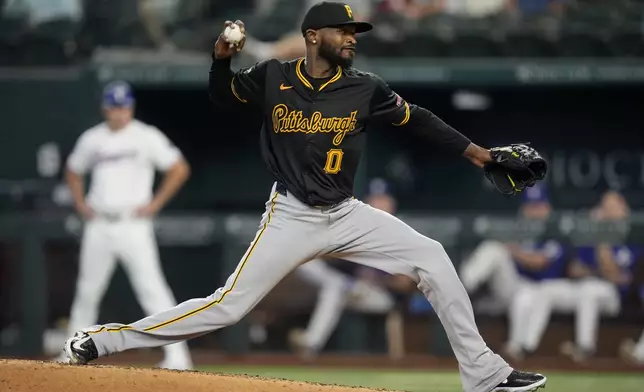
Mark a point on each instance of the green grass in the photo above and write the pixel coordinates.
(427, 381)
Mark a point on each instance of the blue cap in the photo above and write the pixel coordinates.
(118, 94)
(378, 186)
(535, 194)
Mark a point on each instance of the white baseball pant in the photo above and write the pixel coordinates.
(133, 242)
(587, 299)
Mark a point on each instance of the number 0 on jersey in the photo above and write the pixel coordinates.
(333, 161)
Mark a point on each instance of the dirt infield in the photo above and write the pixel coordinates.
(19, 376)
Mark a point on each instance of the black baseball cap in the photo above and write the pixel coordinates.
(331, 14)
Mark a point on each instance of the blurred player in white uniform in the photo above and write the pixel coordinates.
(607, 272)
(122, 154)
(632, 350)
(500, 265)
(338, 291)
(527, 280)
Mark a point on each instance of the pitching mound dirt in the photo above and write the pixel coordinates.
(19, 376)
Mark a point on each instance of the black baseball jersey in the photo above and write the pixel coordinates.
(314, 129)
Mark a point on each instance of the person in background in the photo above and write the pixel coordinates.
(122, 155)
(155, 16)
(381, 198)
(607, 271)
(630, 350)
(355, 288)
(400, 287)
(474, 8)
(546, 286)
(39, 12)
(411, 9)
(503, 267)
(538, 7)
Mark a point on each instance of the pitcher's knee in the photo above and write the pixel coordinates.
(430, 247)
(227, 309)
(231, 315)
(432, 257)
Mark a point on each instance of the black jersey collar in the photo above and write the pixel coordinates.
(300, 75)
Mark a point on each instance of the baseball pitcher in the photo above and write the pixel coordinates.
(317, 111)
(122, 154)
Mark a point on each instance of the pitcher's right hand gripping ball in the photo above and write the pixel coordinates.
(515, 167)
(225, 46)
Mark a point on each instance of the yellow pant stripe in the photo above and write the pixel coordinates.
(104, 329)
(232, 286)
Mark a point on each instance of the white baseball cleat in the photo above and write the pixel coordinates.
(80, 349)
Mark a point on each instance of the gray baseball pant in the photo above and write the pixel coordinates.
(292, 233)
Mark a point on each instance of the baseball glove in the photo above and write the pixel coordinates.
(515, 167)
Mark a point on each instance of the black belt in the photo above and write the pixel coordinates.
(112, 217)
(280, 188)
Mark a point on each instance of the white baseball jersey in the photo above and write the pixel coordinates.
(122, 164)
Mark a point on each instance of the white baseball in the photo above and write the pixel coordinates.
(233, 34)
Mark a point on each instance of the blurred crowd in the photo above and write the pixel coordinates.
(66, 31)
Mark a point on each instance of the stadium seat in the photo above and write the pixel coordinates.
(423, 45)
(582, 44)
(372, 46)
(112, 23)
(627, 44)
(283, 19)
(525, 44)
(12, 30)
(626, 36)
(473, 45)
(593, 12)
(9, 54)
(51, 43)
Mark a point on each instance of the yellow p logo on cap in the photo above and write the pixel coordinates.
(349, 12)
